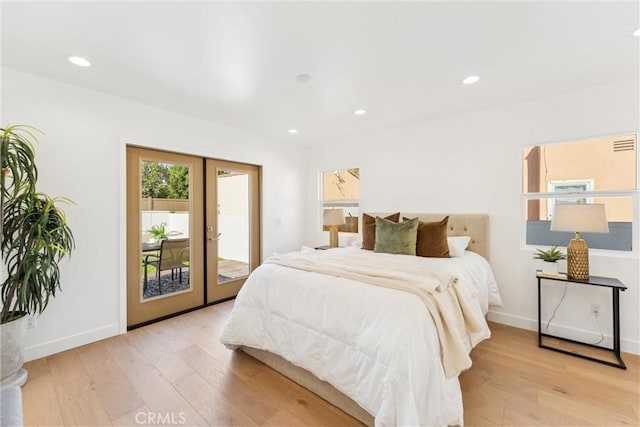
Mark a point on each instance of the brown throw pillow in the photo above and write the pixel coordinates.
(432, 239)
(369, 229)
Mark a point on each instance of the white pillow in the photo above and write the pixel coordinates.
(356, 242)
(457, 245)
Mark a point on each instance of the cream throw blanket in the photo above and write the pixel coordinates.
(454, 317)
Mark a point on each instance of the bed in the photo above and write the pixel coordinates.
(370, 350)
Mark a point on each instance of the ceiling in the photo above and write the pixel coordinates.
(236, 63)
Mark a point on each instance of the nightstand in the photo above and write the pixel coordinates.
(609, 282)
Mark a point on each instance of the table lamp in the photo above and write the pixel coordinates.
(579, 218)
(333, 218)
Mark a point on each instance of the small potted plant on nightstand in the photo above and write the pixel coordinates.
(550, 257)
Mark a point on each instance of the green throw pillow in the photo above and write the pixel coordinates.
(396, 238)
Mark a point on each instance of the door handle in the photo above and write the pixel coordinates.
(216, 238)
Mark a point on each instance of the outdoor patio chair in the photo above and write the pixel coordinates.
(173, 255)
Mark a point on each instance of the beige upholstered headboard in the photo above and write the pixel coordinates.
(475, 226)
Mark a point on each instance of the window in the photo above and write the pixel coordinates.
(341, 189)
(600, 170)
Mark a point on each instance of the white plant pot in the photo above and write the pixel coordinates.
(549, 267)
(12, 354)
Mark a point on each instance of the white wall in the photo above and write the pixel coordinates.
(82, 157)
(471, 163)
(464, 163)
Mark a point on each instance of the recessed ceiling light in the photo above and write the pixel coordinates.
(292, 131)
(360, 112)
(637, 32)
(79, 61)
(303, 78)
(470, 80)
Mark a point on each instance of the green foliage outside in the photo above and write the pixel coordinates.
(178, 182)
(164, 181)
(151, 269)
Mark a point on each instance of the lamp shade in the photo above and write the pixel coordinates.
(333, 217)
(581, 218)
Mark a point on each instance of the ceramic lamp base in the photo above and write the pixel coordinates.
(578, 259)
(333, 236)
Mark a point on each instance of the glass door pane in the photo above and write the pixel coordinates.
(164, 215)
(233, 225)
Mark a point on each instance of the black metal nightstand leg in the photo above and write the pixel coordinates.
(616, 321)
(616, 326)
(539, 317)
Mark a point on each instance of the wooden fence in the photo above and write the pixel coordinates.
(169, 205)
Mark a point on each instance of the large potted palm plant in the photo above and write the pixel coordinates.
(35, 237)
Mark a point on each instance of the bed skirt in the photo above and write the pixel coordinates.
(311, 383)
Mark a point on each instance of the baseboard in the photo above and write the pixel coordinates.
(73, 341)
(626, 345)
(66, 343)
(512, 320)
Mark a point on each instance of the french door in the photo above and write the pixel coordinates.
(193, 230)
(233, 226)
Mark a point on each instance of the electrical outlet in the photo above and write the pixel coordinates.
(595, 309)
(31, 321)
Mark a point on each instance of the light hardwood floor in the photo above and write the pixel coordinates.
(176, 372)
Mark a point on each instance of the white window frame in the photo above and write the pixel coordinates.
(634, 194)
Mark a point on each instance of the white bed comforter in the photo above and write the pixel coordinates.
(379, 346)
